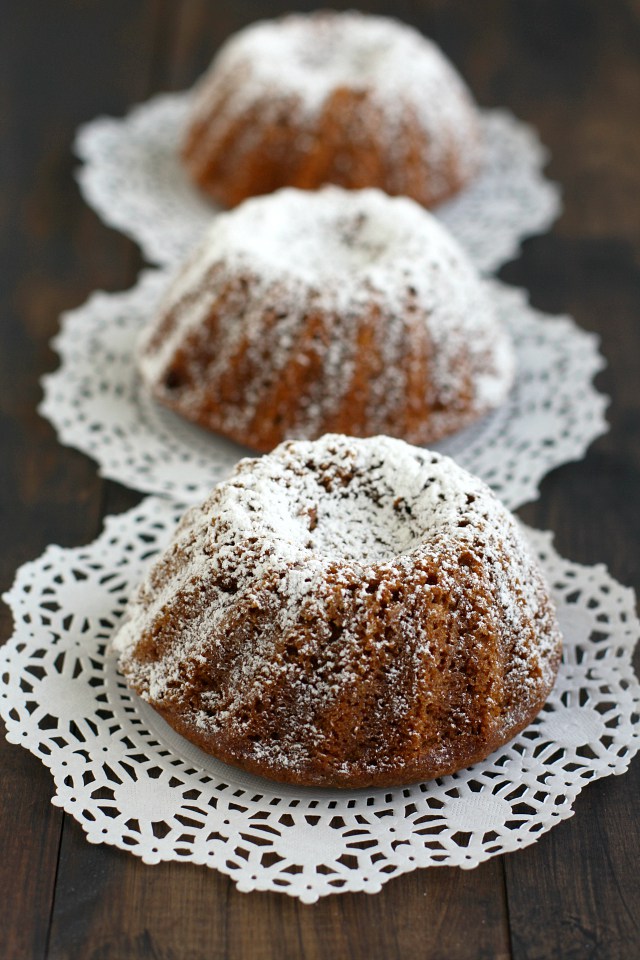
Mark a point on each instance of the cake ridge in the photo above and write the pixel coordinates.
(348, 97)
(266, 621)
(349, 291)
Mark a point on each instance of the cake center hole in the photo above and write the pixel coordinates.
(361, 525)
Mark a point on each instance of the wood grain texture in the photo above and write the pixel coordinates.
(572, 68)
(53, 252)
(110, 905)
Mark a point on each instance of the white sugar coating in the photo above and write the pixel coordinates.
(317, 525)
(340, 251)
(303, 59)
(344, 244)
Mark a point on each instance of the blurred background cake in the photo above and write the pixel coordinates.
(344, 98)
(340, 311)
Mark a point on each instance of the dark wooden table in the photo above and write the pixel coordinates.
(571, 67)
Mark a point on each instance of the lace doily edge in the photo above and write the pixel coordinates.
(625, 599)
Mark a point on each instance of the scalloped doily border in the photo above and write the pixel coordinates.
(132, 782)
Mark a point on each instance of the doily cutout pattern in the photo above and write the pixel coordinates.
(133, 179)
(97, 403)
(132, 782)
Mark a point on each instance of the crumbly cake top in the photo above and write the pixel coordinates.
(304, 59)
(306, 530)
(337, 499)
(339, 251)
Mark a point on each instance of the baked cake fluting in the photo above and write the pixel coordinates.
(345, 613)
(345, 98)
(329, 312)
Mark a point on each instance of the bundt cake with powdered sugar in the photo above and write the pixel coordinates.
(345, 98)
(345, 613)
(337, 311)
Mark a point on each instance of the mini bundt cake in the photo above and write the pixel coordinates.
(345, 98)
(331, 312)
(345, 613)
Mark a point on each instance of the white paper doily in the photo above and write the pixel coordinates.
(132, 782)
(97, 403)
(132, 177)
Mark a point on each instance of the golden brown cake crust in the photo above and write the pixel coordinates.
(345, 613)
(330, 312)
(351, 99)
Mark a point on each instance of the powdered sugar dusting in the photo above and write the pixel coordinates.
(302, 60)
(341, 253)
(310, 578)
